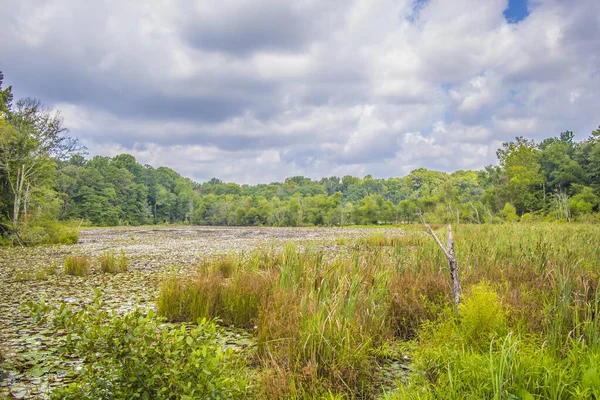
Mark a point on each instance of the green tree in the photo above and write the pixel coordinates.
(587, 154)
(6, 98)
(509, 213)
(584, 201)
(521, 161)
(560, 169)
(32, 139)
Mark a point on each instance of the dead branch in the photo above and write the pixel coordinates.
(452, 263)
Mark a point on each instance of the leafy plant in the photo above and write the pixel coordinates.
(136, 356)
(482, 316)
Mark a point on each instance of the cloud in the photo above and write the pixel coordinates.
(243, 27)
(259, 91)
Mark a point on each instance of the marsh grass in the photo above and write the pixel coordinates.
(317, 319)
(380, 239)
(528, 325)
(110, 263)
(215, 292)
(77, 265)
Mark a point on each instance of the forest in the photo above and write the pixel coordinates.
(45, 177)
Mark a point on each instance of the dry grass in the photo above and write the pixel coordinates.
(416, 298)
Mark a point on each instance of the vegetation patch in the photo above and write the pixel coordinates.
(77, 265)
(110, 263)
(327, 318)
(136, 356)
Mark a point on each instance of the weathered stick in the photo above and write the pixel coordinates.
(449, 253)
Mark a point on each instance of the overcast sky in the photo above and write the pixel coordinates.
(257, 91)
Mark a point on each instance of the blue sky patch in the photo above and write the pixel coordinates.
(516, 11)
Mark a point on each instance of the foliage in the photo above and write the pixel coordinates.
(482, 317)
(509, 213)
(316, 322)
(136, 356)
(533, 334)
(323, 318)
(338, 319)
(512, 368)
(540, 179)
(32, 140)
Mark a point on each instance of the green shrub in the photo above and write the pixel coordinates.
(527, 218)
(509, 212)
(48, 232)
(77, 265)
(136, 356)
(6, 241)
(482, 316)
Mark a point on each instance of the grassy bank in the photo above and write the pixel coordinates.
(327, 320)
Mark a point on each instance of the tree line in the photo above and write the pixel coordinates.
(556, 179)
(45, 177)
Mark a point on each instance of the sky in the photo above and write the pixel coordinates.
(257, 91)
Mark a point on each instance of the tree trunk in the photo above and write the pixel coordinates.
(18, 194)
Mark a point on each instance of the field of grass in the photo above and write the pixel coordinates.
(368, 313)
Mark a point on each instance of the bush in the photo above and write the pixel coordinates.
(77, 265)
(509, 212)
(135, 356)
(527, 218)
(482, 316)
(48, 232)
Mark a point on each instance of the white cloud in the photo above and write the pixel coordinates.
(258, 91)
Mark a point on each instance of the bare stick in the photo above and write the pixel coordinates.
(453, 264)
(456, 289)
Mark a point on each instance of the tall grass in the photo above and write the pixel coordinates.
(77, 265)
(223, 288)
(317, 319)
(528, 325)
(110, 263)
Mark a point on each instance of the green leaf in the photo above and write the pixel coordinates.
(590, 379)
(525, 395)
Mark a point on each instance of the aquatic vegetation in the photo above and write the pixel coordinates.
(77, 265)
(109, 263)
(369, 316)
